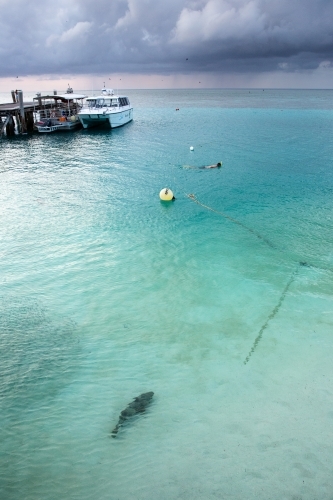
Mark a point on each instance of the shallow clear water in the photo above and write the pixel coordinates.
(223, 308)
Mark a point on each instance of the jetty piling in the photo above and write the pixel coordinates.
(5, 124)
(17, 117)
(22, 114)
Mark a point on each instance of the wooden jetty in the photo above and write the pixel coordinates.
(17, 115)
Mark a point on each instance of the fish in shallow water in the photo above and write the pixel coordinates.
(138, 405)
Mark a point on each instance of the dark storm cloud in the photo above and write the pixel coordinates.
(163, 36)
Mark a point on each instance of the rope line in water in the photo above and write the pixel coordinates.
(235, 221)
(321, 268)
(273, 314)
(192, 197)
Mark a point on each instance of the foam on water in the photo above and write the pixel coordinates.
(107, 293)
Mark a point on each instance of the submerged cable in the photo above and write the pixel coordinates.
(192, 197)
(235, 221)
(273, 313)
(265, 240)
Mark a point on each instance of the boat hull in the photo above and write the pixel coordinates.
(110, 118)
(49, 126)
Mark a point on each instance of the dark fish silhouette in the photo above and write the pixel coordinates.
(138, 405)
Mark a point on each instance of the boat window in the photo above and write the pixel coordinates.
(107, 102)
(99, 103)
(114, 103)
(91, 103)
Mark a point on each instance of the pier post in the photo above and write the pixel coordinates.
(13, 96)
(30, 121)
(10, 129)
(17, 122)
(20, 100)
(3, 125)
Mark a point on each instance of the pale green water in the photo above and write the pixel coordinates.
(107, 293)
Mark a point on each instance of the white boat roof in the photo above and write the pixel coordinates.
(103, 96)
(105, 93)
(70, 97)
(66, 97)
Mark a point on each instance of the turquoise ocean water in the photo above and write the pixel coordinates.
(222, 305)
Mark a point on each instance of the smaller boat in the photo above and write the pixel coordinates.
(58, 112)
(106, 109)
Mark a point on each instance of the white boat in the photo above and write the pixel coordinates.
(58, 112)
(107, 108)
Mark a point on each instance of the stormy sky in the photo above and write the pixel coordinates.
(216, 41)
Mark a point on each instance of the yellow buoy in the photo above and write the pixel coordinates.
(166, 194)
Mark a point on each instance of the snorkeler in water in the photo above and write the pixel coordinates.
(216, 165)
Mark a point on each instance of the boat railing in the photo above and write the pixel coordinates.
(59, 111)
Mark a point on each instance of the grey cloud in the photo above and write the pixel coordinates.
(155, 36)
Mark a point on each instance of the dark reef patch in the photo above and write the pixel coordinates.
(37, 351)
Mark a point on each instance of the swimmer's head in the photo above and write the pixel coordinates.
(219, 164)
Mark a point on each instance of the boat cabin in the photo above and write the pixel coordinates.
(107, 102)
(58, 105)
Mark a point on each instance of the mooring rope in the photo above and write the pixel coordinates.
(192, 197)
(273, 313)
(286, 288)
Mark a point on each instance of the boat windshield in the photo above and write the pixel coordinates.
(102, 103)
(106, 103)
(91, 103)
